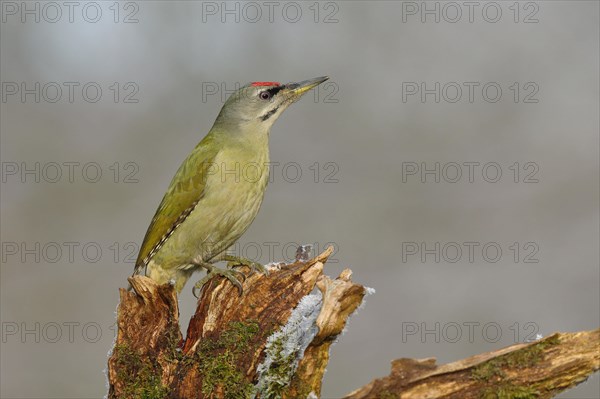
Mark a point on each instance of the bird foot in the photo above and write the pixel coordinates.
(232, 275)
(236, 261)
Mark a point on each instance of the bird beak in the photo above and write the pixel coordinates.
(298, 89)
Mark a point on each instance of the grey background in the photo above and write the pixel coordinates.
(369, 133)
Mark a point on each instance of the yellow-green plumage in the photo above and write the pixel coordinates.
(218, 189)
(214, 209)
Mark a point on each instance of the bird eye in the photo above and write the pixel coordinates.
(264, 95)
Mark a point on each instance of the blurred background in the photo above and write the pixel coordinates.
(452, 160)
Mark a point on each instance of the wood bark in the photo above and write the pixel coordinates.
(540, 369)
(273, 341)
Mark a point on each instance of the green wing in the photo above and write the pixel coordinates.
(184, 192)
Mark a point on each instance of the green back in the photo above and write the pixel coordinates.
(185, 190)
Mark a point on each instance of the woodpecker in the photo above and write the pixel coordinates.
(218, 189)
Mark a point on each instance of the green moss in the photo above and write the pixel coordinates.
(141, 379)
(531, 355)
(492, 371)
(488, 371)
(280, 372)
(218, 361)
(301, 388)
(550, 341)
(172, 351)
(509, 392)
(388, 395)
(517, 360)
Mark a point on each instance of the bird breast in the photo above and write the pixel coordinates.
(234, 192)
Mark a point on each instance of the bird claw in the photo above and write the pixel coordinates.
(233, 276)
(255, 267)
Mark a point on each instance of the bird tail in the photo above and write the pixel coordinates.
(137, 270)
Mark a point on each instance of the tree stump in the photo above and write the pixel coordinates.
(273, 341)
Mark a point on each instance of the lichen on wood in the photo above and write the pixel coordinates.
(274, 341)
(230, 336)
(535, 370)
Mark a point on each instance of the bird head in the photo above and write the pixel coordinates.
(259, 104)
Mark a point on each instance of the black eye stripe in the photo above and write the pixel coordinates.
(274, 90)
(268, 114)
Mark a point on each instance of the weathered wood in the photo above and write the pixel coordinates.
(274, 340)
(227, 336)
(540, 369)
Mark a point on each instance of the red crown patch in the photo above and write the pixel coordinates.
(265, 84)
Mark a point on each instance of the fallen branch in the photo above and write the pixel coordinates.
(274, 341)
(541, 369)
